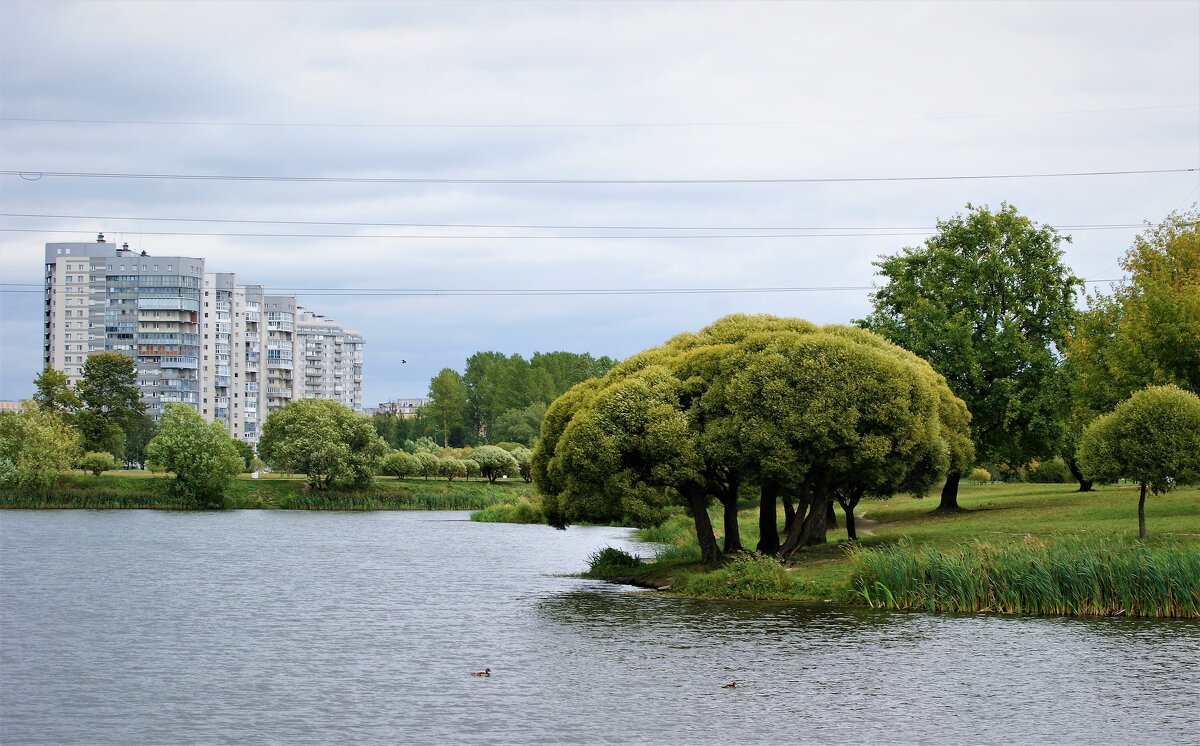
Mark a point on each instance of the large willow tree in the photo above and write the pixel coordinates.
(804, 413)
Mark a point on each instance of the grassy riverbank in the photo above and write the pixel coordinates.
(1045, 548)
(144, 490)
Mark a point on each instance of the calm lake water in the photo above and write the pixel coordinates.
(133, 627)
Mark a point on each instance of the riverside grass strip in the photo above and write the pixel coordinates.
(1071, 577)
(124, 491)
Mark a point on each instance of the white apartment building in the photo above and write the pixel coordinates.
(229, 350)
(330, 358)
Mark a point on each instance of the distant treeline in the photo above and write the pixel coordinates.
(496, 398)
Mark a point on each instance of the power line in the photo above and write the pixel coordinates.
(530, 237)
(29, 175)
(425, 236)
(1083, 226)
(583, 125)
(12, 287)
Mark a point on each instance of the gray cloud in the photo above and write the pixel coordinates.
(821, 89)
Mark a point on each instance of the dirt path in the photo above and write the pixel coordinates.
(865, 525)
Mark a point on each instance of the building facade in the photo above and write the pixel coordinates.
(230, 351)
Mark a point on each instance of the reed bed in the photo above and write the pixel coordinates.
(1079, 577)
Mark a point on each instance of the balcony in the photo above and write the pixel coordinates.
(168, 304)
(251, 388)
(178, 362)
(221, 382)
(279, 364)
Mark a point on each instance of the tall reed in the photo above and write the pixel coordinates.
(1076, 577)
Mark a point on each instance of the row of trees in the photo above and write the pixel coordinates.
(495, 399)
(488, 462)
(988, 308)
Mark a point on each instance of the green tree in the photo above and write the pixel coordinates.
(98, 462)
(451, 468)
(108, 392)
(1148, 331)
(1153, 438)
(35, 447)
(54, 393)
(447, 405)
(324, 440)
(246, 453)
(494, 462)
(400, 465)
(201, 454)
(822, 414)
(988, 302)
(523, 457)
(521, 425)
(429, 464)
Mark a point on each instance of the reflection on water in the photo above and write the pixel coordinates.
(275, 627)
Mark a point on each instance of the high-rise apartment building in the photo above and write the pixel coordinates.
(229, 350)
(103, 298)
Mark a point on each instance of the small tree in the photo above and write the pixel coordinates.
(524, 458)
(324, 440)
(400, 464)
(472, 467)
(201, 454)
(428, 463)
(1152, 437)
(494, 462)
(98, 462)
(451, 468)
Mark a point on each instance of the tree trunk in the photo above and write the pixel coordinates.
(1142, 512)
(831, 518)
(950, 493)
(733, 537)
(709, 553)
(797, 528)
(789, 511)
(768, 520)
(1085, 485)
(816, 525)
(848, 504)
(812, 530)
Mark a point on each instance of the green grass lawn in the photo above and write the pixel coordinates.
(996, 514)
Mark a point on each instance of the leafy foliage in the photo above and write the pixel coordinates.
(324, 440)
(35, 447)
(988, 302)
(494, 462)
(400, 464)
(1153, 437)
(98, 462)
(201, 454)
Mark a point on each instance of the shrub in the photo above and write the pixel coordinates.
(1054, 471)
(98, 462)
(980, 475)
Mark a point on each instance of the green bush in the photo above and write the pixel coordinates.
(1054, 471)
(523, 510)
(98, 462)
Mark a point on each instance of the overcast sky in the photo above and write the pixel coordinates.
(609, 91)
